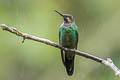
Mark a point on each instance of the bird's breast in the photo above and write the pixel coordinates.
(68, 38)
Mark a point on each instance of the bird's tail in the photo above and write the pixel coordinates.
(69, 64)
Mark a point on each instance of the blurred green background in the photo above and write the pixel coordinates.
(99, 34)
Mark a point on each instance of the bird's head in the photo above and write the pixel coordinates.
(67, 17)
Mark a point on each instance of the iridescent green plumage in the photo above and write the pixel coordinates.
(68, 37)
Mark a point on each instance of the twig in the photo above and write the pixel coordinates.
(107, 62)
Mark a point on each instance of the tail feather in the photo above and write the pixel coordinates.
(69, 64)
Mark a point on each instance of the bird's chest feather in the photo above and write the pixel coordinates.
(68, 37)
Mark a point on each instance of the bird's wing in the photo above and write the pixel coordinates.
(77, 37)
(63, 56)
(62, 51)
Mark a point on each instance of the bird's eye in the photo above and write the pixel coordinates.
(69, 19)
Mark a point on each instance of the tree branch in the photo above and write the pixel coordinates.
(107, 62)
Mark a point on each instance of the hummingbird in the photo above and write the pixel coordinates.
(68, 37)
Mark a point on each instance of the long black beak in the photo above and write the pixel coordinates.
(60, 13)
